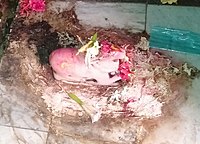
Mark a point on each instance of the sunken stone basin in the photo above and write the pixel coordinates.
(25, 70)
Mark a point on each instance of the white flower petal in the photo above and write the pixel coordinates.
(93, 112)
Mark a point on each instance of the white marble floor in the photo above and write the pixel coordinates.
(22, 123)
(19, 122)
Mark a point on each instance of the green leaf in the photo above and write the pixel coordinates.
(89, 44)
(75, 98)
(94, 37)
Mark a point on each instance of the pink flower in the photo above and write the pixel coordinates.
(37, 5)
(31, 5)
(124, 70)
(111, 50)
(105, 47)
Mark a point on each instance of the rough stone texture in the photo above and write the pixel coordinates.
(25, 66)
(3, 15)
(25, 74)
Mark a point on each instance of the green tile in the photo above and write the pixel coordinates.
(185, 18)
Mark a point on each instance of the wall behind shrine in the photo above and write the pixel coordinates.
(139, 15)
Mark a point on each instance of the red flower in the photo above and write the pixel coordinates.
(105, 47)
(124, 70)
(124, 67)
(37, 5)
(31, 5)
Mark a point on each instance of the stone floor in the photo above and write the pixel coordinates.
(22, 123)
